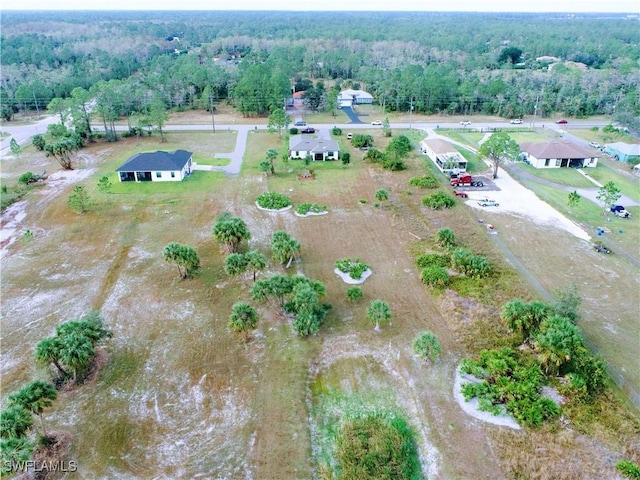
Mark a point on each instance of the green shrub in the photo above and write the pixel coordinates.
(355, 268)
(426, 181)
(293, 131)
(438, 201)
(354, 294)
(507, 384)
(336, 131)
(374, 156)
(27, 178)
(360, 140)
(629, 469)
(432, 260)
(476, 266)
(445, 238)
(426, 346)
(273, 201)
(435, 276)
(393, 163)
(377, 447)
(304, 208)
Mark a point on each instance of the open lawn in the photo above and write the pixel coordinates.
(181, 396)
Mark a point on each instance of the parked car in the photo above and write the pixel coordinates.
(620, 211)
(595, 145)
(377, 123)
(300, 123)
(516, 121)
(465, 123)
(308, 130)
(485, 202)
(562, 122)
(599, 247)
(461, 194)
(349, 136)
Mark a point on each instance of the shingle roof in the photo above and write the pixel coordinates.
(558, 149)
(156, 161)
(316, 145)
(440, 146)
(626, 148)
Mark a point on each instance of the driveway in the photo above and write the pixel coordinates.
(352, 115)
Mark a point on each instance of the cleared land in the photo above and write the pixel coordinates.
(183, 397)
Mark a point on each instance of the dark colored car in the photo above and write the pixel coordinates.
(562, 122)
(308, 130)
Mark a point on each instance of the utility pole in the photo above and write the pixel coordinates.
(213, 122)
(36, 102)
(535, 111)
(410, 112)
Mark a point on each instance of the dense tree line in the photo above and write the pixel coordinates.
(436, 62)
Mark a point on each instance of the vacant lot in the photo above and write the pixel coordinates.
(182, 397)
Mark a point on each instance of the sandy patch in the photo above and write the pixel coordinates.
(273, 210)
(310, 214)
(514, 198)
(353, 281)
(471, 407)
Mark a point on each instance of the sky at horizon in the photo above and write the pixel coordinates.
(507, 6)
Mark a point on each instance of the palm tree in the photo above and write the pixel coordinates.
(243, 318)
(514, 315)
(231, 231)
(77, 352)
(235, 264)
(47, 352)
(284, 248)
(15, 421)
(35, 396)
(378, 312)
(256, 262)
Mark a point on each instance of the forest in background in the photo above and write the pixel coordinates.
(435, 63)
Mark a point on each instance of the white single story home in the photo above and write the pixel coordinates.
(156, 167)
(444, 155)
(349, 98)
(319, 149)
(623, 152)
(559, 154)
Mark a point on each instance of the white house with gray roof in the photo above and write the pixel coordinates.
(559, 154)
(320, 149)
(156, 167)
(444, 155)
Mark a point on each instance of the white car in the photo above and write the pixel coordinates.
(516, 121)
(377, 123)
(465, 123)
(594, 145)
(349, 136)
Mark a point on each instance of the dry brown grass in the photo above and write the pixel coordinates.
(181, 394)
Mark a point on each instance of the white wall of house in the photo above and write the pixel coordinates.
(557, 162)
(173, 176)
(302, 154)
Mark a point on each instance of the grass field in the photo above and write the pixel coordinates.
(181, 396)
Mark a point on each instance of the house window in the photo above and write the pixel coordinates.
(546, 162)
(557, 162)
(173, 174)
(158, 174)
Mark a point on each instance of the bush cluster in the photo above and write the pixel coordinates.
(304, 208)
(355, 268)
(273, 201)
(426, 181)
(438, 201)
(472, 265)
